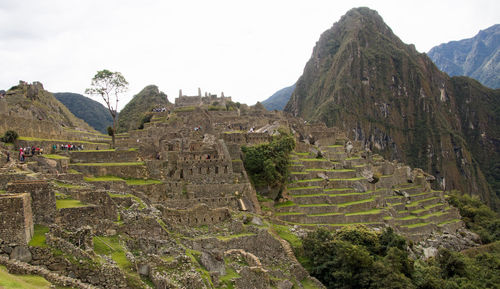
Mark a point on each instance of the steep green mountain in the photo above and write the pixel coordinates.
(131, 115)
(279, 99)
(91, 111)
(364, 79)
(477, 57)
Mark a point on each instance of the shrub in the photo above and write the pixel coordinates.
(9, 136)
(267, 164)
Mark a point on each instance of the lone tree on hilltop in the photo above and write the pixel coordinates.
(109, 85)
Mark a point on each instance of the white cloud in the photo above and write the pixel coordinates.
(248, 50)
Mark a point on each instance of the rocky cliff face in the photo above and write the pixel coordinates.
(477, 57)
(143, 102)
(364, 79)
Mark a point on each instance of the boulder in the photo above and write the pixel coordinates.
(213, 263)
(22, 254)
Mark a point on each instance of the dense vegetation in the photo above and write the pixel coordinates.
(138, 110)
(478, 217)
(267, 164)
(356, 257)
(91, 111)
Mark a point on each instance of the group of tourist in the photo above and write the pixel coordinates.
(68, 147)
(159, 109)
(29, 151)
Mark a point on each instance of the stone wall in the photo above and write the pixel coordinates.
(103, 156)
(95, 216)
(43, 200)
(102, 199)
(204, 171)
(16, 219)
(123, 171)
(196, 216)
(10, 177)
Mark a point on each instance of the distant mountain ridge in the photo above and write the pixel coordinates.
(385, 94)
(91, 111)
(477, 57)
(279, 99)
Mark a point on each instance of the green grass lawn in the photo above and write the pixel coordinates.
(226, 238)
(284, 204)
(141, 182)
(102, 179)
(11, 281)
(55, 157)
(284, 232)
(68, 203)
(416, 225)
(64, 185)
(38, 239)
(449, 222)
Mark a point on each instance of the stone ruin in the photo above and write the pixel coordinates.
(183, 175)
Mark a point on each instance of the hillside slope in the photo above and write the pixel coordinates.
(91, 111)
(279, 99)
(131, 115)
(477, 57)
(34, 112)
(365, 80)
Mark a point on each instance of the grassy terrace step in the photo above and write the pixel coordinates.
(68, 203)
(11, 281)
(303, 188)
(426, 208)
(130, 182)
(338, 190)
(369, 212)
(419, 202)
(417, 225)
(325, 214)
(356, 202)
(285, 204)
(330, 170)
(109, 164)
(449, 222)
(35, 139)
(334, 225)
(65, 185)
(55, 157)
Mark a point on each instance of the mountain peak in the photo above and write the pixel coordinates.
(363, 79)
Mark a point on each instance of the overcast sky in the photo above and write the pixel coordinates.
(247, 49)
